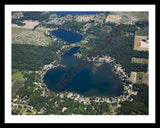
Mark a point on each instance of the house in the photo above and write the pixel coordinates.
(69, 95)
(14, 100)
(134, 92)
(108, 100)
(65, 108)
(61, 95)
(42, 110)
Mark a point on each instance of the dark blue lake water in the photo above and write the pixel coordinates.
(67, 35)
(93, 79)
(71, 52)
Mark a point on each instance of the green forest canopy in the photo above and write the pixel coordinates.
(30, 57)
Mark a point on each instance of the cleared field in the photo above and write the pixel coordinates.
(85, 18)
(113, 18)
(27, 36)
(145, 78)
(28, 24)
(139, 60)
(18, 80)
(18, 76)
(140, 45)
(133, 76)
(142, 78)
(18, 30)
(139, 77)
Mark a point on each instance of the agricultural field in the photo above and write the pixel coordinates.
(139, 60)
(140, 45)
(133, 76)
(140, 77)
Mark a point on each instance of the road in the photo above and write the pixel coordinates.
(22, 105)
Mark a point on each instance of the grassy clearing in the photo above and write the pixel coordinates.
(18, 76)
(18, 30)
(18, 80)
(91, 36)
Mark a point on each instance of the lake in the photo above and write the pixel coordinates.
(94, 79)
(67, 35)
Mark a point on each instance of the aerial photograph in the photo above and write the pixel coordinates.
(80, 63)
